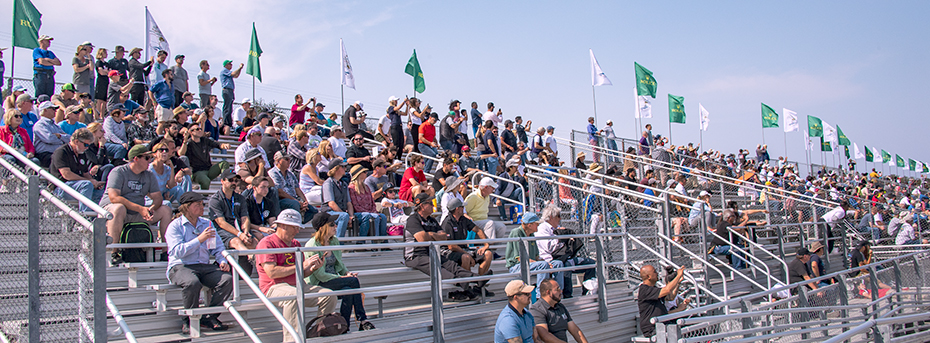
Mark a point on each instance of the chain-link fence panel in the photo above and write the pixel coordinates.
(14, 282)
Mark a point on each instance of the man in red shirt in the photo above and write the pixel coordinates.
(428, 144)
(276, 272)
(299, 110)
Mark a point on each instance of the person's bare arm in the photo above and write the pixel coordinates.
(672, 285)
(221, 222)
(117, 198)
(576, 332)
(541, 334)
(236, 73)
(275, 271)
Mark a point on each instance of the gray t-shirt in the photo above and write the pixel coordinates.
(113, 95)
(375, 183)
(134, 187)
(84, 77)
(180, 78)
(204, 89)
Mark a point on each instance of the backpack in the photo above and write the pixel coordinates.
(327, 325)
(568, 247)
(135, 233)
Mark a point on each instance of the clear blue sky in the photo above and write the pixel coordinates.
(862, 65)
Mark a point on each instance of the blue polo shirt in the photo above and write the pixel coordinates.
(511, 324)
(38, 53)
(68, 128)
(226, 79)
(164, 94)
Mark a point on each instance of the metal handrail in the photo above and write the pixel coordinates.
(767, 252)
(673, 264)
(609, 187)
(244, 324)
(621, 190)
(55, 181)
(233, 262)
(119, 320)
(474, 179)
(768, 273)
(693, 255)
(875, 322)
(75, 215)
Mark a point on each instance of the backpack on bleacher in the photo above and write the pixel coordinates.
(332, 324)
(135, 233)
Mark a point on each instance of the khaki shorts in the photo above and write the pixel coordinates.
(131, 217)
(163, 114)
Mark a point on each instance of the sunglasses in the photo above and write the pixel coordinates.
(162, 150)
(197, 129)
(17, 116)
(87, 145)
(358, 139)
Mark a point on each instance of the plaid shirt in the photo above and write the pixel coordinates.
(143, 133)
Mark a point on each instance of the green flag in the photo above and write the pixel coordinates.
(814, 127)
(886, 157)
(841, 137)
(846, 150)
(676, 109)
(825, 145)
(926, 168)
(898, 161)
(645, 83)
(912, 165)
(26, 23)
(769, 117)
(413, 69)
(868, 154)
(255, 51)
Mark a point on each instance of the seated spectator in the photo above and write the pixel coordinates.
(395, 207)
(468, 164)
(476, 207)
(70, 164)
(189, 264)
(455, 189)
(276, 272)
(816, 264)
(797, 269)
(515, 323)
(48, 136)
(127, 187)
(414, 180)
(98, 153)
(63, 100)
(363, 203)
(24, 105)
(141, 131)
(262, 205)
(871, 222)
(702, 205)
(9, 103)
(197, 148)
(288, 187)
(674, 302)
(441, 174)
(335, 197)
(334, 275)
(650, 298)
(72, 122)
(115, 132)
(230, 215)
(311, 180)
(326, 155)
(422, 227)
(270, 142)
(722, 247)
(551, 319)
(337, 141)
(379, 180)
(509, 190)
(528, 225)
(457, 226)
(313, 137)
(171, 183)
(907, 235)
(357, 154)
(555, 250)
(254, 166)
(240, 114)
(252, 139)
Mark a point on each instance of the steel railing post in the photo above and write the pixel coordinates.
(524, 260)
(100, 279)
(601, 281)
(435, 280)
(920, 279)
(237, 295)
(35, 304)
(299, 275)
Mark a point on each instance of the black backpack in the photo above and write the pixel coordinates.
(135, 233)
(332, 324)
(568, 248)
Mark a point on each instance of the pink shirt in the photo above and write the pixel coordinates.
(273, 242)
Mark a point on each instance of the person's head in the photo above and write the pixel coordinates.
(590, 120)
(529, 222)
(358, 175)
(204, 65)
(83, 50)
(423, 203)
(288, 223)
(729, 216)
(610, 122)
(550, 129)
(519, 294)
(466, 151)
(864, 246)
(433, 118)
(196, 130)
(101, 53)
(135, 53)
(191, 204)
(246, 104)
(416, 162)
(326, 149)
(12, 118)
(508, 124)
(45, 41)
(447, 164)
(551, 214)
(648, 126)
(379, 167)
(816, 248)
(455, 207)
(549, 289)
(649, 275)
(454, 105)
(25, 102)
(254, 136)
(358, 140)
(139, 157)
(179, 59)
(490, 106)
(518, 119)
(230, 180)
(260, 186)
(162, 152)
(282, 160)
(337, 168)
(97, 129)
(174, 127)
(487, 186)
(358, 105)
(47, 109)
(319, 107)
(803, 254)
(141, 115)
(325, 225)
(227, 64)
(336, 131)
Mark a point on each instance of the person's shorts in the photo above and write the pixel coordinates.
(163, 114)
(457, 256)
(227, 236)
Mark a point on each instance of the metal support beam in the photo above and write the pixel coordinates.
(35, 305)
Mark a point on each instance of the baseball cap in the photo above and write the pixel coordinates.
(229, 175)
(513, 162)
(360, 104)
(516, 287)
(19, 88)
(289, 217)
(252, 154)
(703, 193)
(323, 218)
(255, 130)
(177, 56)
(46, 105)
(190, 197)
(320, 104)
(392, 98)
(281, 155)
(465, 148)
(487, 182)
(549, 128)
(336, 162)
(529, 218)
(68, 87)
(113, 73)
(117, 107)
(278, 120)
(246, 101)
(138, 150)
(227, 62)
(422, 198)
(263, 116)
(336, 128)
(454, 204)
(46, 37)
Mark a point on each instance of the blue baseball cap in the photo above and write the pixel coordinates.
(529, 218)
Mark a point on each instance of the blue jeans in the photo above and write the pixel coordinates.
(86, 188)
(342, 223)
(446, 144)
(293, 204)
(364, 220)
(175, 192)
(115, 151)
(737, 257)
(492, 165)
(349, 302)
(876, 232)
(612, 147)
(514, 195)
(44, 82)
(542, 265)
(589, 273)
(428, 151)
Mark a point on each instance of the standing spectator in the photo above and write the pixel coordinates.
(521, 130)
(138, 72)
(414, 119)
(120, 65)
(2, 69)
(162, 94)
(83, 69)
(610, 136)
(551, 318)
(515, 323)
(491, 116)
(334, 275)
(48, 136)
(299, 110)
(180, 78)
(118, 144)
(492, 150)
(363, 203)
(189, 260)
(427, 141)
(72, 116)
(288, 187)
(528, 226)
(229, 89)
(127, 187)
(396, 127)
(141, 131)
(43, 65)
(551, 144)
(71, 164)
(592, 138)
(102, 68)
(277, 272)
(450, 126)
(508, 140)
(159, 66)
(353, 118)
(204, 83)
(476, 206)
(833, 217)
(651, 298)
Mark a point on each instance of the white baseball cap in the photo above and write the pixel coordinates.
(487, 182)
(246, 101)
(392, 98)
(289, 217)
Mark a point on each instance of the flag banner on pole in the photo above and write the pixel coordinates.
(920, 167)
(413, 69)
(348, 79)
(858, 154)
(598, 78)
(846, 150)
(841, 137)
(926, 168)
(255, 51)
(814, 127)
(899, 161)
(705, 117)
(769, 117)
(911, 164)
(869, 157)
(645, 83)
(829, 132)
(154, 40)
(676, 109)
(645, 107)
(886, 157)
(791, 120)
(26, 23)
(825, 145)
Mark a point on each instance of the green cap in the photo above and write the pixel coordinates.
(226, 62)
(138, 150)
(68, 87)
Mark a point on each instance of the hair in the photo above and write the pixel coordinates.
(360, 185)
(490, 105)
(101, 52)
(318, 236)
(550, 211)
(332, 171)
(94, 127)
(183, 209)
(79, 49)
(82, 134)
(258, 180)
(415, 159)
(250, 113)
(165, 72)
(161, 145)
(590, 119)
(8, 116)
(311, 155)
(448, 161)
(323, 145)
(547, 285)
(488, 124)
(301, 134)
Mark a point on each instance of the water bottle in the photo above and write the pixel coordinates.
(211, 243)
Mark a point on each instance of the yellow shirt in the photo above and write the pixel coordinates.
(476, 206)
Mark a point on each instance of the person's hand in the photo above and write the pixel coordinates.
(224, 146)
(351, 274)
(681, 271)
(94, 169)
(686, 301)
(303, 206)
(529, 122)
(98, 184)
(266, 230)
(224, 266)
(244, 236)
(206, 234)
(241, 65)
(481, 250)
(313, 262)
(146, 213)
(498, 202)
(125, 145)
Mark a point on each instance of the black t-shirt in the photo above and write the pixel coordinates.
(650, 306)
(247, 121)
(356, 151)
(64, 157)
(259, 213)
(855, 258)
(199, 153)
(797, 270)
(489, 136)
(350, 114)
(821, 269)
(508, 137)
(722, 232)
(457, 229)
(555, 317)
(232, 210)
(416, 223)
(440, 175)
(122, 66)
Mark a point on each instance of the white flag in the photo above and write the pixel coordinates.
(598, 78)
(829, 133)
(705, 117)
(858, 154)
(154, 39)
(645, 107)
(791, 119)
(348, 79)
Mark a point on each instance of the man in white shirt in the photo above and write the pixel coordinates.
(550, 141)
(551, 218)
(337, 140)
(493, 117)
(833, 217)
(252, 139)
(239, 114)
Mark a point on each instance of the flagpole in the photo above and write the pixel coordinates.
(594, 96)
(253, 87)
(786, 146)
(13, 66)
(762, 120)
(342, 95)
(636, 114)
(701, 131)
(670, 132)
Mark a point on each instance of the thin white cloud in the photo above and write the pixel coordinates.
(802, 87)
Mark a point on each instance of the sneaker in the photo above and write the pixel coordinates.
(458, 296)
(115, 259)
(185, 327)
(365, 325)
(211, 322)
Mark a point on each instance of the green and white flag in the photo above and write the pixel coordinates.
(825, 145)
(413, 69)
(814, 127)
(926, 168)
(841, 137)
(255, 51)
(886, 157)
(899, 161)
(769, 117)
(676, 109)
(26, 23)
(912, 165)
(645, 83)
(869, 157)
